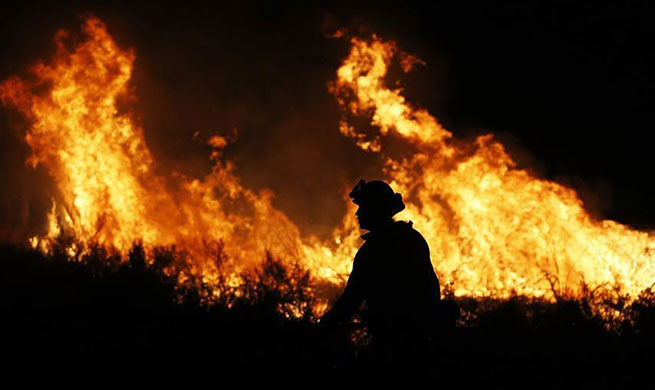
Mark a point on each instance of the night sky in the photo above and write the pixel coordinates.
(566, 86)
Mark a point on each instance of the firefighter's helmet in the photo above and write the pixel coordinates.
(378, 195)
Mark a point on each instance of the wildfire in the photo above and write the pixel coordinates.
(108, 192)
(493, 229)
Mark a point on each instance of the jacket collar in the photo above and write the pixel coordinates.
(384, 229)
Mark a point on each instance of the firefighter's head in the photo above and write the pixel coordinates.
(377, 203)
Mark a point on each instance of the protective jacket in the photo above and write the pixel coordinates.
(393, 274)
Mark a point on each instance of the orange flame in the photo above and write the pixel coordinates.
(109, 192)
(493, 229)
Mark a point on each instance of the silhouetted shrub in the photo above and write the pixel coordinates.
(285, 289)
(83, 314)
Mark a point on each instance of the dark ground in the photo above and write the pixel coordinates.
(97, 324)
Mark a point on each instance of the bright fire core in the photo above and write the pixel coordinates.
(493, 229)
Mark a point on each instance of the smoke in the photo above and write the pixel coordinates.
(23, 203)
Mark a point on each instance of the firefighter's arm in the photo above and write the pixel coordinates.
(349, 301)
(429, 283)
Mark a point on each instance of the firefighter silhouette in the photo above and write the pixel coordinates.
(392, 273)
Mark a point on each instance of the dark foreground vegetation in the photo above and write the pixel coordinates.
(103, 323)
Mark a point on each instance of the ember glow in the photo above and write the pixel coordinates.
(493, 229)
